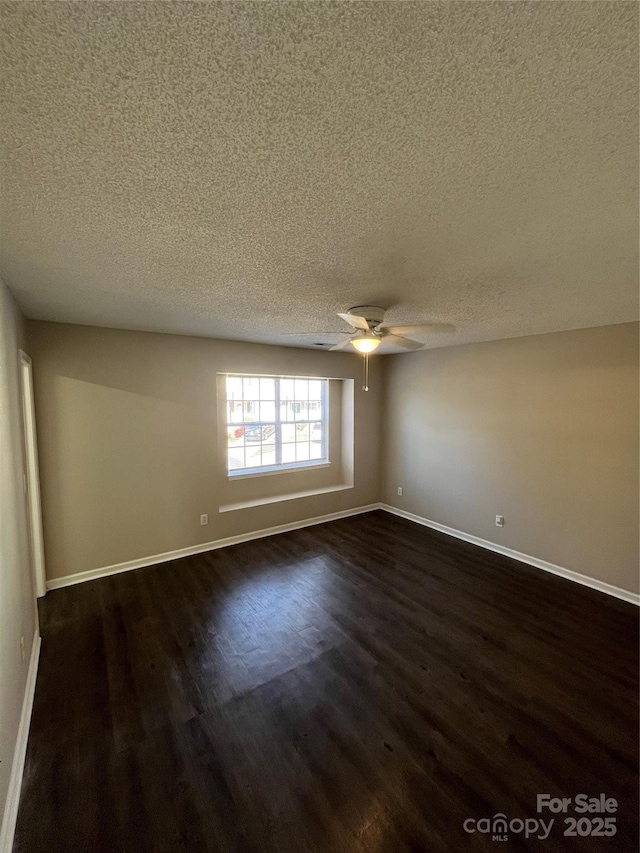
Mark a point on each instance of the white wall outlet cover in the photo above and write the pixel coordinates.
(204, 519)
(400, 491)
(499, 520)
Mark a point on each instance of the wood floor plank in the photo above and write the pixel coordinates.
(362, 685)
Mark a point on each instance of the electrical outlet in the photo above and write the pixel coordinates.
(22, 649)
(400, 491)
(204, 519)
(499, 520)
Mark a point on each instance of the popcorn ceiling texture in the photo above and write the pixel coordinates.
(246, 170)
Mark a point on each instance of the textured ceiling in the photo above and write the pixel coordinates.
(246, 170)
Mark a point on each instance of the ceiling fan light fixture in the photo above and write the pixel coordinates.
(365, 344)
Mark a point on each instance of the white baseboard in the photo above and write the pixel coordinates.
(585, 580)
(93, 574)
(17, 767)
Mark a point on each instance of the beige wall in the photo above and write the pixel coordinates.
(17, 599)
(129, 451)
(541, 429)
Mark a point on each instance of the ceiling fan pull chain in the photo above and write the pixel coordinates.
(365, 386)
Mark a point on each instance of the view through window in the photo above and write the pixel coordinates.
(275, 422)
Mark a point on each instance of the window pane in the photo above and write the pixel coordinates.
(236, 458)
(287, 411)
(288, 453)
(287, 432)
(234, 388)
(251, 388)
(302, 452)
(300, 410)
(316, 432)
(235, 436)
(302, 389)
(286, 390)
(234, 413)
(315, 389)
(253, 456)
(259, 433)
(315, 450)
(302, 432)
(267, 411)
(251, 411)
(267, 389)
(268, 454)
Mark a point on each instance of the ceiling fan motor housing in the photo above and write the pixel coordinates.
(373, 314)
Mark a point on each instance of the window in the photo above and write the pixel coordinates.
(275, 423)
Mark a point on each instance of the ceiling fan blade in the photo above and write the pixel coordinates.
(405, 343)
(344, 345)
(356, 322)
(420, 329)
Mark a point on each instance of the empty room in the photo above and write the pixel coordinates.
(319, 426)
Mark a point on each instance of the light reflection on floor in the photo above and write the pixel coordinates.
(268, 623)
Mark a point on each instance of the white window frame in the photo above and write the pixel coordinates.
(280, 467)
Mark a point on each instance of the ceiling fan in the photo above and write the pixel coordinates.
(369, 330)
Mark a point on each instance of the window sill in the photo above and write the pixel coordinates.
(289, 497)
(278, 469)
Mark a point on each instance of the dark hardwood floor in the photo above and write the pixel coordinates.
(362, 685)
